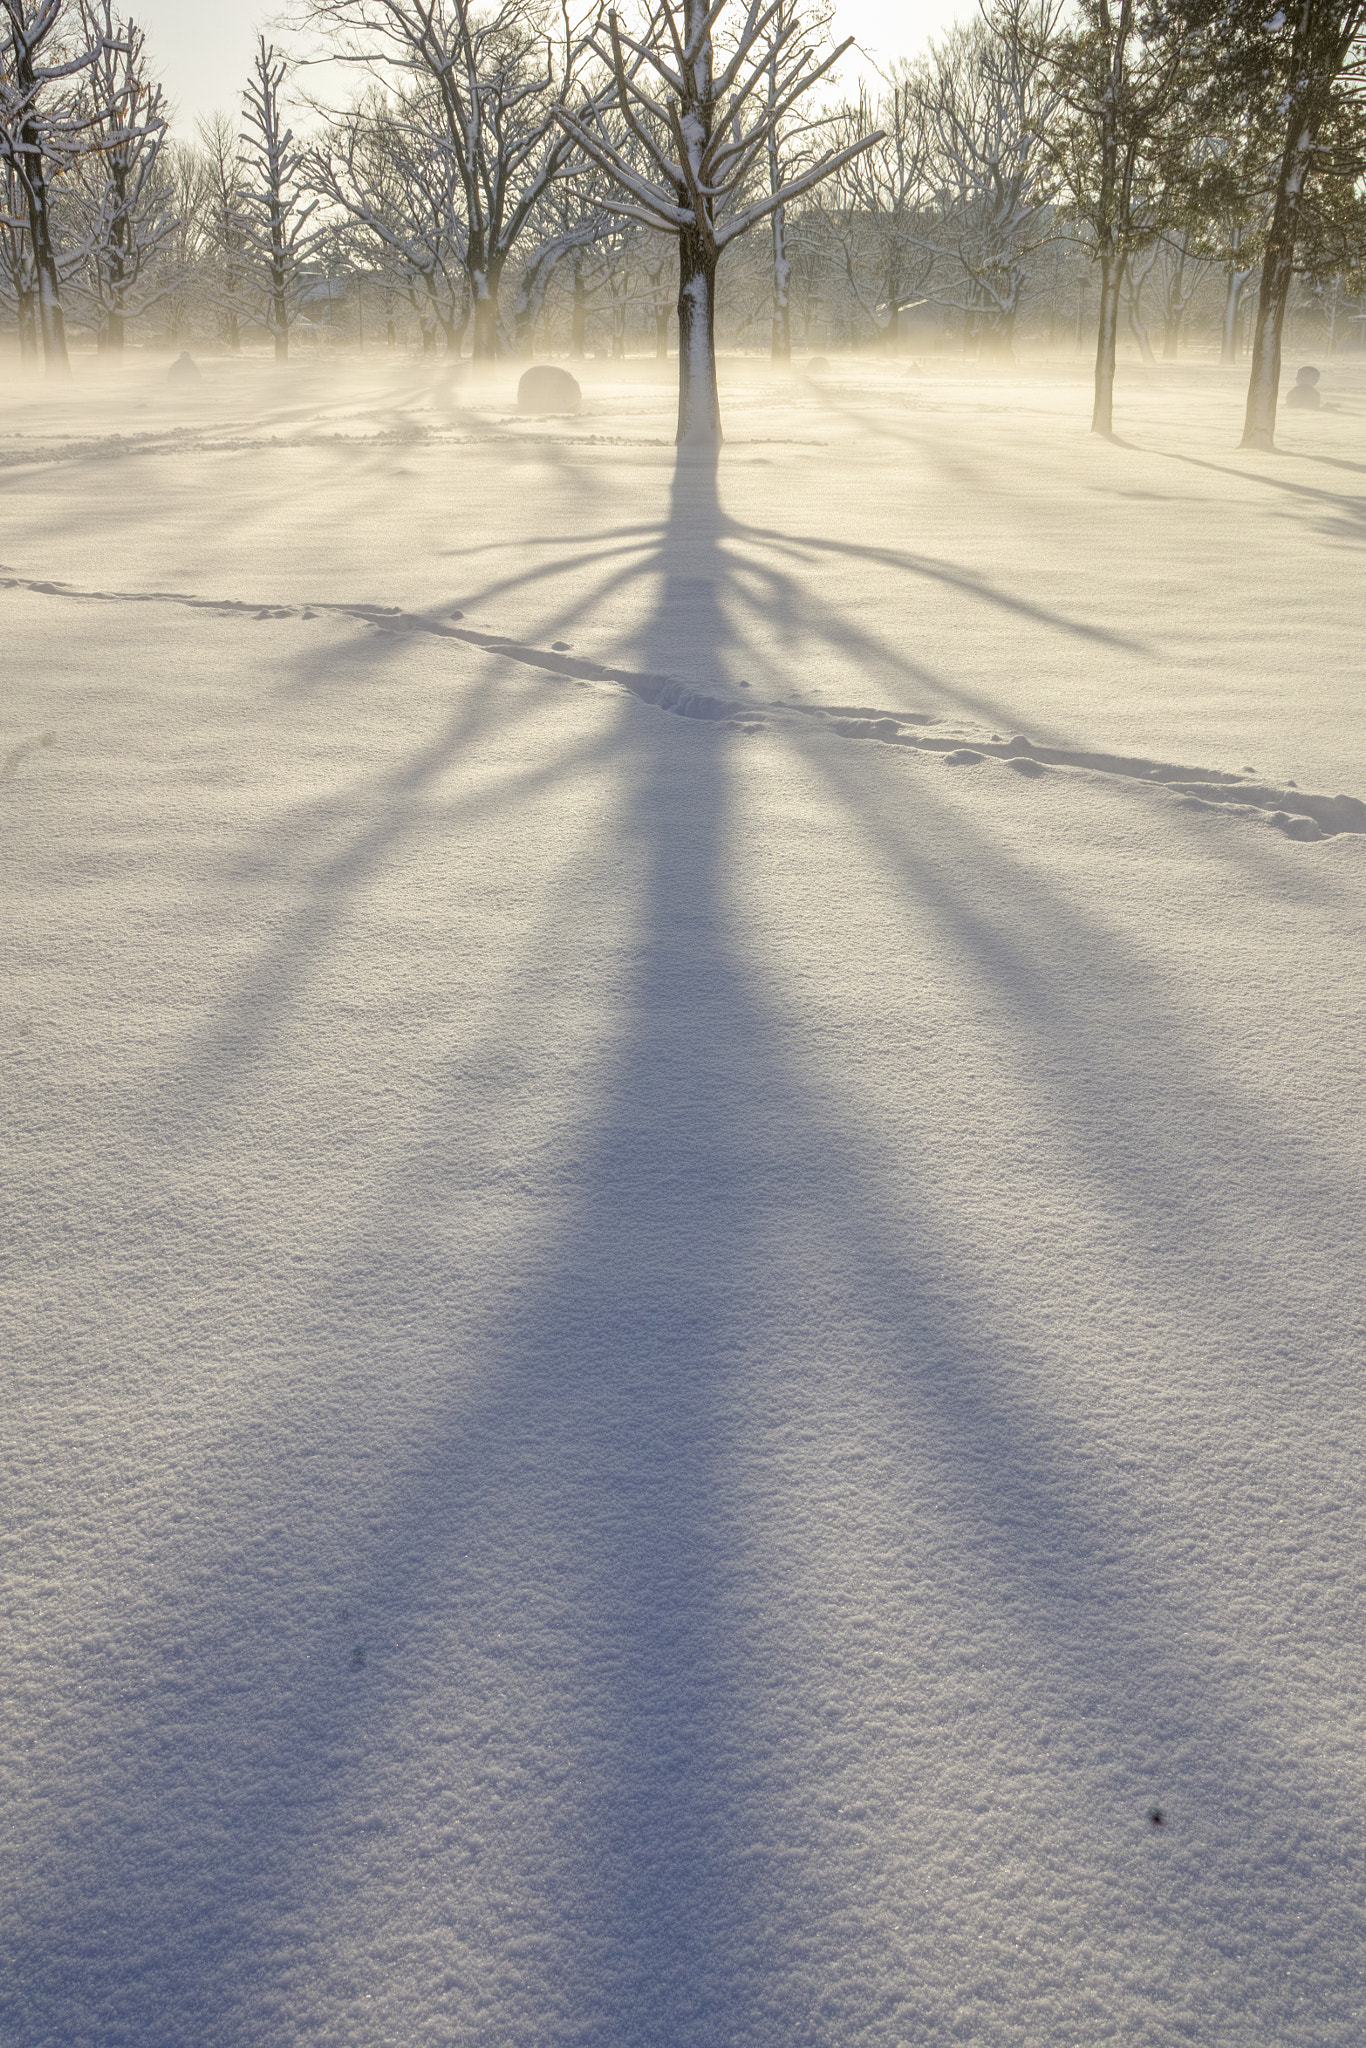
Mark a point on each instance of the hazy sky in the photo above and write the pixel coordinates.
(202, 48)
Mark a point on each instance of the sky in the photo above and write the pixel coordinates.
(202, 48)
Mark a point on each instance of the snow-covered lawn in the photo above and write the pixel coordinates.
(684, 1312)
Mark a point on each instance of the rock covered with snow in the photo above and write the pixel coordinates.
(546, 388)
(1304, 392)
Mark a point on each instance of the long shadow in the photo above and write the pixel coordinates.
(763, 573)
(1328, 461)
(1353, 507)
(628, 1510)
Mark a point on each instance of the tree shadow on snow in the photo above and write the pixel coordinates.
(699, 1521)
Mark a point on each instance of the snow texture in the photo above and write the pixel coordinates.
(682, 1223)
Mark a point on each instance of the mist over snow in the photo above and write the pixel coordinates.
(683, 1238)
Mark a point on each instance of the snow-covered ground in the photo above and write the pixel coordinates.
(684, 1311)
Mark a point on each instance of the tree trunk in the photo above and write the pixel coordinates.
(26, 311)
(529, 299)
(1259, 423)
(51, 325)
(699, 406)
(117, 286)
(1139, 331)
(1107, 335)
(578, 315)
(1228, 330)
(277, 310)
(894, 298)
(1317, 55)
(1111, 223)
(1174, 308)
(782, 290)
(118, 259)
(484, 293)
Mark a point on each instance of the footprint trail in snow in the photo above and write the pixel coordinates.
(1299, 814)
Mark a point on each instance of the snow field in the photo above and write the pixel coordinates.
(668, 1371)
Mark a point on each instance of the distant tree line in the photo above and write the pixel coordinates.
(510, 178)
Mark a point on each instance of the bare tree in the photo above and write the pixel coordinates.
(873, 213)
(497, 80)
(220, 143)
(385, 170)
(620, 285)
(43, 130)
(789, 150)
(1181, 270)
(18, 278)
(660, 289)
(587, 269)
(185, 257)
(273, 219)
(699, 90)
(991, 106)
(1137, 271)
(569, 220)
(120, 198)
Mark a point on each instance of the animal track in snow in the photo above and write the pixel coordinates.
(1299, 814)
